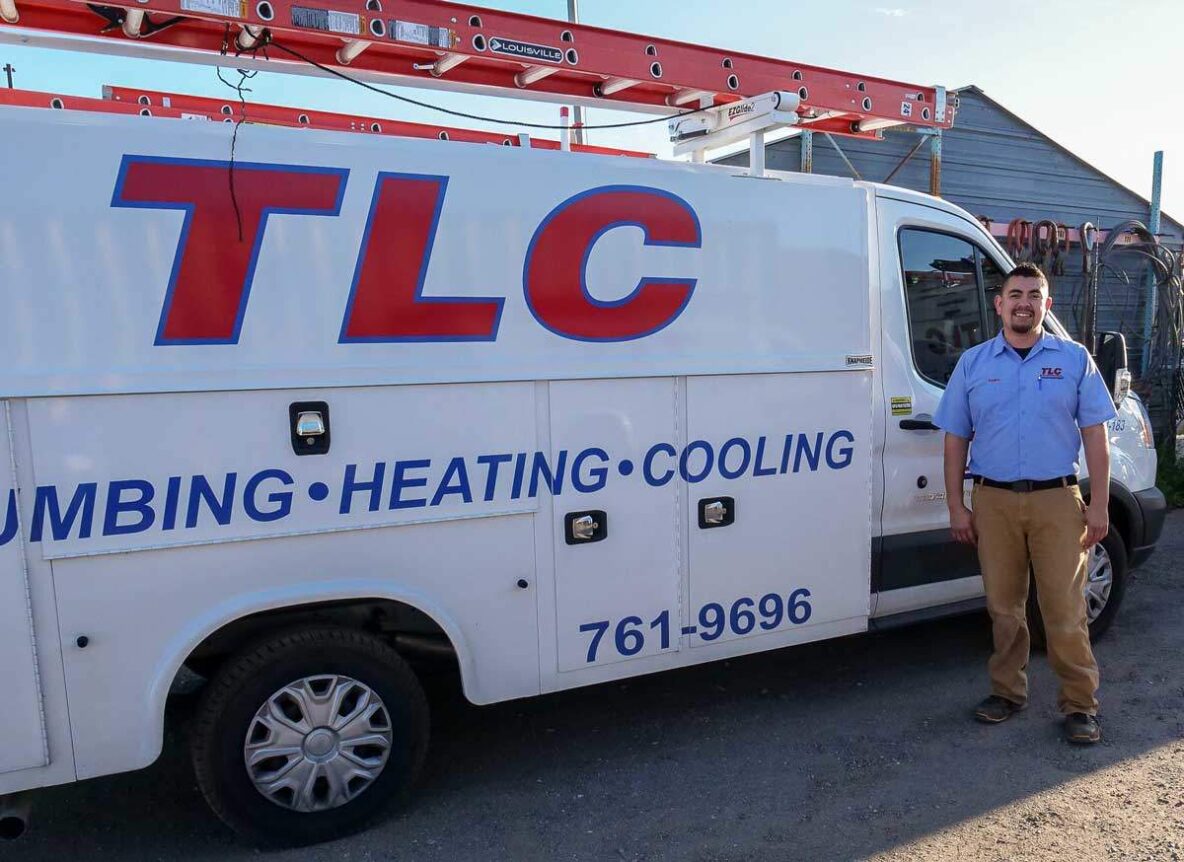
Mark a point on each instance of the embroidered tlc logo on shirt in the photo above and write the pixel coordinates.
(1051, 374)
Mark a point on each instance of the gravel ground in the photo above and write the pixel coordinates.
(861, 748)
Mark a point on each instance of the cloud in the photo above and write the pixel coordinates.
(892, 13)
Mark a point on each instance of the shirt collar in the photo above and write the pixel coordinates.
(1047, 341)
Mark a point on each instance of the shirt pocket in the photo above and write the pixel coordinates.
(987, 398)
(1057, 397)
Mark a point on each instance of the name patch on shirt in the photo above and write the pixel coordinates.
(1051, 374)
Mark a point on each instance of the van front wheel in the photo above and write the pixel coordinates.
(308, 735)
(1105, 584)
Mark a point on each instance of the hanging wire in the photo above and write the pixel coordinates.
(268, 40)
(1164, 377)
(241, 90)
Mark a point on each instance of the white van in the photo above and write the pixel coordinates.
(570, 418)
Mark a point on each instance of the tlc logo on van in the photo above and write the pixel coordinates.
(210, 282)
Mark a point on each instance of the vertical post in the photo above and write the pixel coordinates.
(8, 70)
(756, 154)
(1156, 191)
(1089, 326)
(573, 15)
(807, 166)
(935, 163)
(565, 133)
(1152, 289)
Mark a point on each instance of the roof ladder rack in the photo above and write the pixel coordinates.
(456, 46)
(718, 127)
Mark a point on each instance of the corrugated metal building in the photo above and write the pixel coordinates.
(996, 165)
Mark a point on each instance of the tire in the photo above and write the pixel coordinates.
(1102, 612)
(340, 779)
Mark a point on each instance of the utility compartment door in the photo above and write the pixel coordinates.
(617, 599)
(22, 745)
(786, 458)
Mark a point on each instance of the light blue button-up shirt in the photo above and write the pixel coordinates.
(1024, 415)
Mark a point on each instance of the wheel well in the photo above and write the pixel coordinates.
(407, 628)
(1121, 518)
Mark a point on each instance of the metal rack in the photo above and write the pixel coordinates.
(469, 48)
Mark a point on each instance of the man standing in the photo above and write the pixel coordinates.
(1028, 399)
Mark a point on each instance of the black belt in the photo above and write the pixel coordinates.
(1023, 486)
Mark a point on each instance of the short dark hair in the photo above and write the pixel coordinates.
(1027, 269)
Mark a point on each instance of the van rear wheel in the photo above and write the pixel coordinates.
(308, 735)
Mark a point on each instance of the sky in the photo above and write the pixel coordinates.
(1101, 78)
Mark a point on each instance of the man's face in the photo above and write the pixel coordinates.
(1022, 304)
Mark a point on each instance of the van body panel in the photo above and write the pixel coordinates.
(21, 707)
(593, 417)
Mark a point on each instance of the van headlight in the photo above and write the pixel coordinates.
(1144, 424)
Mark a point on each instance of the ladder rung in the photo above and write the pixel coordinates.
(533, 74)
(133, 20)
(443, 66)
(351, 50)
(614, 85)
(686, 97)
(248, 37)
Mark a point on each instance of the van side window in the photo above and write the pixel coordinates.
(945, 304)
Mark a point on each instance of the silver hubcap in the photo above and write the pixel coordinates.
(1099, 579)
(317, 743)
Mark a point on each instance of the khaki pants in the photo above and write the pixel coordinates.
(1044, 528)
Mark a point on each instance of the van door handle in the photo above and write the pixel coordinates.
(918, 425)
(582, 528)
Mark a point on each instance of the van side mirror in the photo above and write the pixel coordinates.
(1110, 354)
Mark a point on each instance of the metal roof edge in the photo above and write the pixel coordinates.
(974, 88)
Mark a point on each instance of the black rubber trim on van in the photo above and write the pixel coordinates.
(1154, 508)
(921, 615)
(1141, 520)
(931, 557)
(916, 559)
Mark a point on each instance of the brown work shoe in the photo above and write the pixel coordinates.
(996, 709)
(1082, 728)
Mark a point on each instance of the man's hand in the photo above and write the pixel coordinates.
(953, 469)
(1097, 525)
(962, 526)
(1097, 458)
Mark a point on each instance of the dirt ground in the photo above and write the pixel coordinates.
(861, 748)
